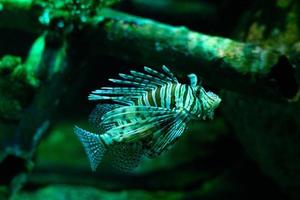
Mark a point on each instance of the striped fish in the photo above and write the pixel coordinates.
(150, 111)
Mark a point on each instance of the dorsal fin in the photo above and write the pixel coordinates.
(167, 76)
(136, 84)
(169, 73)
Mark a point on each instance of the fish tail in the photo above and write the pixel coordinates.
(93, 145)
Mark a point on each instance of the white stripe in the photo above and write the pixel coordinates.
(177, 95)
(153, 96)
(190, 98)
(181, 94)
(168, 95)
(140, 103)
(145, 98)
(162, 96)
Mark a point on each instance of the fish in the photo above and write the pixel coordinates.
(148, 113)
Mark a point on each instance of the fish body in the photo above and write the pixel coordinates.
(151, 110)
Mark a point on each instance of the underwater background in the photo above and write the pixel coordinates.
(53, 53)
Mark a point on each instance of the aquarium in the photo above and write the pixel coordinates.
(160, 99)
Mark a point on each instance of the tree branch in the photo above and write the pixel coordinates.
(16, 4)
(222, 63)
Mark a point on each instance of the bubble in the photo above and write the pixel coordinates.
(45, 17)
(60, 24)
(83, 18)
(158, 46)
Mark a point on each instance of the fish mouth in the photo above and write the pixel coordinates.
(208, 116)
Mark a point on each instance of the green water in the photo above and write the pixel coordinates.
(54, 53)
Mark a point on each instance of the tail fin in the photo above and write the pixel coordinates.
(93, 146)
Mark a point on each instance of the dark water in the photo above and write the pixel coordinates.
(54, 53)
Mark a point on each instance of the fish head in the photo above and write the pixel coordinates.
(210, 101)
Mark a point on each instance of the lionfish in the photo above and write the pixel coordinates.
(147, 115)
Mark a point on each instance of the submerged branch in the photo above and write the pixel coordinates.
(222, 63)
(16, 4)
